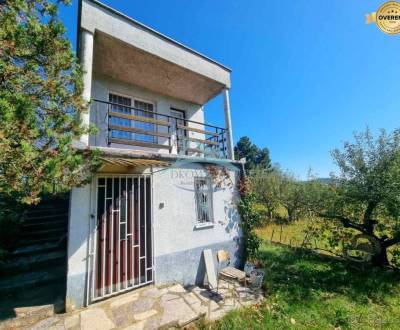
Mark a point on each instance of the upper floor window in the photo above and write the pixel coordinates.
(203, 196)
(123, 104)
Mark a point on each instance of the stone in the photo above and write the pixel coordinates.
(125, 299)
(213, 306)
(136, 326)
(151, 293)
(215, 315)
(46, 323)
(191, 298)
(177, 310)
(178, 288)
(95, 319)
(168, 296)
(195, 303)
(71, 321)
(141, 305)
(145, 315)
(121, 316)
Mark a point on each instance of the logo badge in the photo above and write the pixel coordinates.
(387, 17)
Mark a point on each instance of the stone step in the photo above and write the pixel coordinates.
(37, 241)
(35, 249)
(47, 233)
(29, 227)
(18, 283)
(31, 306)
(30, 263)
(31, 219)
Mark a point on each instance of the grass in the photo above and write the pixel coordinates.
(308, 291)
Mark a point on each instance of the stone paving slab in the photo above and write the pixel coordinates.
(154, 307)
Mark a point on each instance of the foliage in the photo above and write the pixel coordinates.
(255, 157)
(40, 102)
(10, 217)
(365, 197)
(307, 291)
(250, 218)
(276, 188)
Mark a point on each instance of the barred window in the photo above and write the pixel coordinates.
(203, 196)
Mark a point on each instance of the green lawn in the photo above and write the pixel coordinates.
(306, 291)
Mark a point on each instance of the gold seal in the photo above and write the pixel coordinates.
(387, 18)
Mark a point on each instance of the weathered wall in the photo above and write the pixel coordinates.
(178, 244)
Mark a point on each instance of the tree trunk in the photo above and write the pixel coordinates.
(380, 259)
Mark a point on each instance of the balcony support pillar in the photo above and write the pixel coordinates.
(228, 125)
(86, 59)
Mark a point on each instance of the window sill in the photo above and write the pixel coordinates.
(204, 225)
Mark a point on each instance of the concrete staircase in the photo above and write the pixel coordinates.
(32, 281)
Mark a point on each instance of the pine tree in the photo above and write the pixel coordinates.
(40, 102)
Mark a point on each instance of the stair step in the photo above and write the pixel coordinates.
(48, 217)
(30, 263)
(43, 240)
(34, 249)
(28, 227)
(42, 233)
(18, 283)
(23, 310)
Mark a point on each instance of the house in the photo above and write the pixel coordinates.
(167, 186)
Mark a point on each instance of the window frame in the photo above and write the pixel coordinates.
(210, 193)
(134, 98)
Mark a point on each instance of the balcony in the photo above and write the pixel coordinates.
(132, 128)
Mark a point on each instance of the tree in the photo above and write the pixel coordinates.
(365, 197)
(267, 185)
(291, 195)
(40, 102)
(255, 157)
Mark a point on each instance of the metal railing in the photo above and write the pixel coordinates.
(132, 126)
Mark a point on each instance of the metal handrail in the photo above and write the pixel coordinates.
(159, 114)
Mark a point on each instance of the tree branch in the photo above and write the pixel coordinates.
(346, 222)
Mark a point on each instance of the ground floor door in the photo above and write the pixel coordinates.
(123, 243)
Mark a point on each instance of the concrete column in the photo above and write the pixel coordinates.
(86, 57)
(228, 125)
(78, 234)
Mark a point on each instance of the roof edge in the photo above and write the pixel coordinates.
(154, 32)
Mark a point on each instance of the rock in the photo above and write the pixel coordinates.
(151, 293)
(141, 305)
(95, 319)
(136, 326)
(177, 288)
(215, 315)
(125, 299)
(145, 315)
(46, 323)
(71, 321)
(168, 296)
(177, 310)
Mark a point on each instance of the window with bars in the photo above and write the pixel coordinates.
(123, 104)
(203, 196)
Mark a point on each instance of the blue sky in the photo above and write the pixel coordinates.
(306, 73)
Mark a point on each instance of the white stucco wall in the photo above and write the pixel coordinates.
(178, 244)
(102, 86)
(175, 221)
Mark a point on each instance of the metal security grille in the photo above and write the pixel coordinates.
(123, 248)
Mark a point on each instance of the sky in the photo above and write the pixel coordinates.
(306, 74)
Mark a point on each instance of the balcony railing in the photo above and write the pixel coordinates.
(147, 129)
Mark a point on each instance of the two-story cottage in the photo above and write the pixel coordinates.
(155, 205)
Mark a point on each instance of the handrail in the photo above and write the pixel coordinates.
(159, 114)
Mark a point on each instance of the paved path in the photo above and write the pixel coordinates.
(153, 308)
